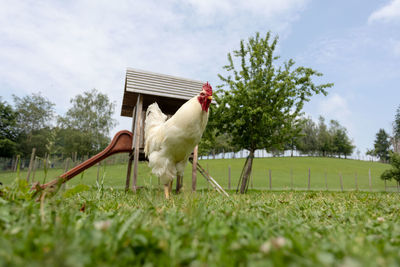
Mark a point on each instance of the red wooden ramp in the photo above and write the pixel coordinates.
(122, 142)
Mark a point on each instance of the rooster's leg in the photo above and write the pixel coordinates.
(179, 181)
(167, 189)
(170, 187)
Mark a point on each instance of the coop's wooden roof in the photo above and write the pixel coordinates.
(168, 91)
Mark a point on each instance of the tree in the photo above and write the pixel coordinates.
(34, 111)
(324, 139)
(35, 118)
(393, 173)
(8, 130)
(341, 143)
(264, 101)
(396, 131)
(382, 145)
(86, 125)
(307, 142)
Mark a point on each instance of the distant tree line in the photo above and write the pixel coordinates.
(312, 138)
(32, 123)
(317, 139)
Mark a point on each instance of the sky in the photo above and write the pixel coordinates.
(63, 48)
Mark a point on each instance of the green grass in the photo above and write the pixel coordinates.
(114, 175)
(89, 226)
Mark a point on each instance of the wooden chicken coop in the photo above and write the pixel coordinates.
(143, 88)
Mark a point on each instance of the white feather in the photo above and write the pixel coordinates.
(169, 143)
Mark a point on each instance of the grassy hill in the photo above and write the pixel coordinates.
(281, 169)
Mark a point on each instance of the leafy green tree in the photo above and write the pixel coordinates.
(35, 118)
(264, 100)
(39, 139)
(34, 111)
(396, 131)
(307, 141)
(86, 125)
(382, 145)
(8, 130)
(394, 172)
(341, 143)
(324, 139)
(69, 141)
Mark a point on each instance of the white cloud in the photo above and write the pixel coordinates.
(62, 48)
(387, 13)
(335, 107)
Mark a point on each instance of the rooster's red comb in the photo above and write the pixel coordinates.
(207, 87)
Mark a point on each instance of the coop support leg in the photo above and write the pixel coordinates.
(129, 171)
(136, 139)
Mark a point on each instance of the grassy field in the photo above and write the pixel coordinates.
(281, 168)
(89, 226)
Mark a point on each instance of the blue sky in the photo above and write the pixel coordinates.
(62, 48)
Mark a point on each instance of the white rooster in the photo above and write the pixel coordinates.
(169, 143)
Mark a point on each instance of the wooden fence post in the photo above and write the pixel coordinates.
(309, 178)
(291, 179)
(326, 181)
(66, 165)
(66, 168)
(270, 180)
(34, 169)
(355, 180)
(229, 177)
(341, 181)
(369, 177)
(31, 164)
(17, 161)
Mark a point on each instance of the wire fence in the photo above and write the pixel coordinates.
(53, 162)
(267, 180)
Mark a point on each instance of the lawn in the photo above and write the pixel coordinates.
(281, 169)
(95, 226)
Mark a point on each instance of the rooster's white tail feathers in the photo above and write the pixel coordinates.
(154, 120)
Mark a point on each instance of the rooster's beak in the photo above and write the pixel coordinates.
(210, 97)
